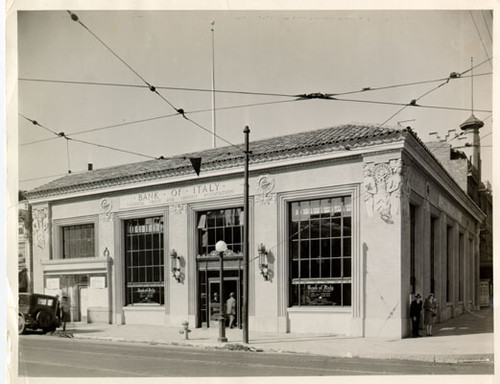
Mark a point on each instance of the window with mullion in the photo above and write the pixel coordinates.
(320, 252)
(221, 224)
(78, 241)
(144, 261)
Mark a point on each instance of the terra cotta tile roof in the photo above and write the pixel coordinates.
(289, 146)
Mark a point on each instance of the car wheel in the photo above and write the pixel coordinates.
(21, 324)
(44, 319)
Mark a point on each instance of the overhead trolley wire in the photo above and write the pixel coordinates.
(362, 90)
(152, 88)
(486, 25)
(413, 102)
(161, 117)
(63, 135)
(410, 105)
(113, 148)
(480, 37)
(34, 122)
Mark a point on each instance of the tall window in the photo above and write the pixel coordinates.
(144, 261)
(433, 253)
(412, 247)
(461, 246)
(78, 241)
(449, 254)
(220, 224)
(320, 252)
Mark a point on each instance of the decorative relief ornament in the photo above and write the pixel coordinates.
(41, 226)
(265, 187)
(106, 206)
(178, 209)
(385, 188)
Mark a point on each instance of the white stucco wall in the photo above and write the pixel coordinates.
(380, 246)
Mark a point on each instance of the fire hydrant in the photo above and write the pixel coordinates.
(185, 329)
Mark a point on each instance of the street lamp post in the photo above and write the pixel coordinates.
(246, 268)
(220, 248)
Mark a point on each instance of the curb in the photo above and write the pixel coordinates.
(440, 359)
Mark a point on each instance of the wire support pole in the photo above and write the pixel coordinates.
(245, 239)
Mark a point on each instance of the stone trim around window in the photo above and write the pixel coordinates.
(284, 199)
(57, 228)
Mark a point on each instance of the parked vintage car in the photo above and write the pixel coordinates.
(38, 312)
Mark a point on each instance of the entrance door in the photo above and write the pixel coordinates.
(209, 299)
(231, 284)
(83, 303)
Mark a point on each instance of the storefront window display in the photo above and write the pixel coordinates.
(320, 252)
(144, 261)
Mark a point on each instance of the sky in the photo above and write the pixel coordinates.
(275, 54)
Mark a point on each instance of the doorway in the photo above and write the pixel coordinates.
(209, 300)
(231, 285)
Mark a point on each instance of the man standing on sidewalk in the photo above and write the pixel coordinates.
(415, 309)
(231, 309)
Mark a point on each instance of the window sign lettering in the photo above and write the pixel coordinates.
(318, 294)
(146, 294)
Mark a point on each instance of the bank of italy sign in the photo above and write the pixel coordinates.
(182, 194)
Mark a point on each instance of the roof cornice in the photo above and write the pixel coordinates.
(284, 161)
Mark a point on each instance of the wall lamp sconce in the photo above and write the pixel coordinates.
(105, 253)
(263, 263)
(176, 268)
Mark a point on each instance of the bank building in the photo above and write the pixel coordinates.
(345, 225)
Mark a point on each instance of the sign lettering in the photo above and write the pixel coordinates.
(181, 194)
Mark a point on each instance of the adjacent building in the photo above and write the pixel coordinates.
(25, 263)
(346, 225)
(460, 155)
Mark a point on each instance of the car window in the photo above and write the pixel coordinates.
(23, 299)
(50, 301)
(41, 301)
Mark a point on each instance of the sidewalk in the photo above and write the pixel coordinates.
(465, 339)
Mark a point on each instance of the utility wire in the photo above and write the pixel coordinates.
(46, 177)
(363, 90)
(152, 88)
(476, 66)
(111, 148)
(75, 18)
(409, 105)
(34, 122)
(480, 37)
(486, 25)
(414, 101)
(161, 117)
(62, 134)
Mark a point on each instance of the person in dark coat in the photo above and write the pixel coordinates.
(64, 308)
(415, 309)
(430, 313)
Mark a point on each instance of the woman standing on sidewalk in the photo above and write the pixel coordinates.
(430, 313)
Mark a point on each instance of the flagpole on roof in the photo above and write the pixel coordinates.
(214, 137)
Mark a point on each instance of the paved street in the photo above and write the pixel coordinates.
(46, 356)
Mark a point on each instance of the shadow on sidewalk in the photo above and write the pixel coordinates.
(468, 323)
